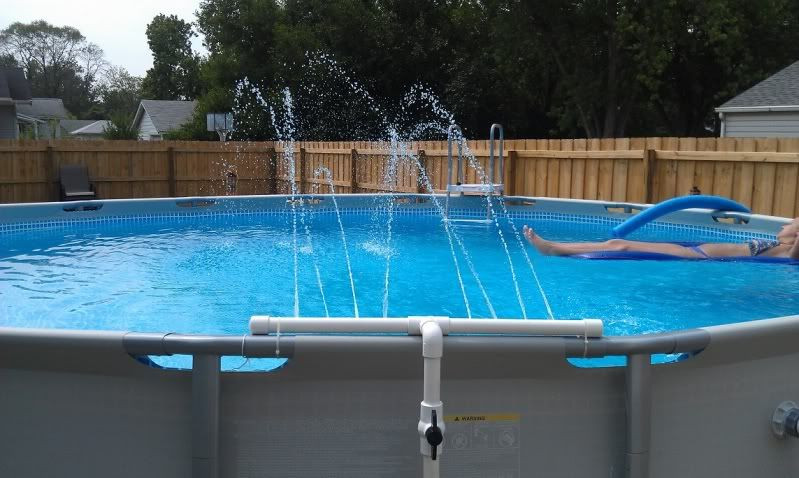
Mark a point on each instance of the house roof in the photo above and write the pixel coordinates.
(70, 125)
(779, 91)
(29, 119)
(95, 128)
(43, 108)
(13, 84)
(166, 115)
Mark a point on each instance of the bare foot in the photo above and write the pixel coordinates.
(544, 247)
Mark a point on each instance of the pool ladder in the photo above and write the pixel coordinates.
(489, 186)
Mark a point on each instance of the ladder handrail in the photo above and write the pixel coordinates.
(453, 127)
(488, 186)
(494, 127)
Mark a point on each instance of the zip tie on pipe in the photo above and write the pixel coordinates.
(277, 339)
(246, 359)
(585, 339)
(163, 340)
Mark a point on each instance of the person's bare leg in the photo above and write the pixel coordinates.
(552, 248)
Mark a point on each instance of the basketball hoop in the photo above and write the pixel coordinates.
(222, 123)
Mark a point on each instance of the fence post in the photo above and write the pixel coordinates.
(510, 173)
(55, 188)
(302, 171)
(649, 168)
(353, 171)
(422, 167)
(170, 158)
(272, 170)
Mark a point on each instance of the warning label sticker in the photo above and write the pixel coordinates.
(494, 417)
(482, 445)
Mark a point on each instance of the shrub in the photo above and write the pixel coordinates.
(120, 127)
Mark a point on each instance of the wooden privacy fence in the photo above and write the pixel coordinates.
(761, 173)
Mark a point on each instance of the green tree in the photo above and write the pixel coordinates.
(175, 71)
(701, 54)
(58, 62)
(120, 93)
(7, 59)
(584, 68)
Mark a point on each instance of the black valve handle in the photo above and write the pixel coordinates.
(433, 435)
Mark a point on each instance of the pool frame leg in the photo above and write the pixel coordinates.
(205, 379)
(639, 414)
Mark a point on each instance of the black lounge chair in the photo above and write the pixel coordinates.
(75, 184)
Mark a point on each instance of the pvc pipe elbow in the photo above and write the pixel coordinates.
(432, 339)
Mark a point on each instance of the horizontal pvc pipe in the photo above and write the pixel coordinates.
(591, 328)
(263, 325)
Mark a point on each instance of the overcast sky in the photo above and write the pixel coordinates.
(118, 27)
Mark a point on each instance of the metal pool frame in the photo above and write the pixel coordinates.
(84, 403)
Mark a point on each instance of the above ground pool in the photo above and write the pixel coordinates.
(206, 266)
(124, 325)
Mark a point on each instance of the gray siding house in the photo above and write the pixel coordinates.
(768, 109)
(156, 117)
(43, 117)
(14, 92)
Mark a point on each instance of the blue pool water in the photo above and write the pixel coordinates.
(209, 275)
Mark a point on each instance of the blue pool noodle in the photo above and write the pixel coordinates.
(676, 204)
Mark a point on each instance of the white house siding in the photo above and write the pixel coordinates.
(8, 122)
(147, 128)
(783, 124)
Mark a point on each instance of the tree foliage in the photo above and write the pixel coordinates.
(175, 71)
(60, 63)
(595, 68)
(120, 92)
(357, 68)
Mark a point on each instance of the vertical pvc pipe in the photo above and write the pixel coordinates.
(432, 381)
(639, 413)
(432, 351)
(205, 416)
(430, 468)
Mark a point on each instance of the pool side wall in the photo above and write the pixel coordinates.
(79, 405)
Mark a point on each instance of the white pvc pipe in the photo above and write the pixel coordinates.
(432, 351)
(430, 468)
(432, 330)
(583, 327)
(432, 381)
(264, 325)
